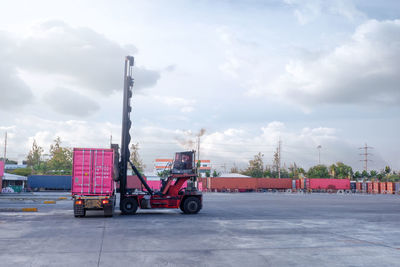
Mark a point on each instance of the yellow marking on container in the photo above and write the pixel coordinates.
(29, 209)
(61, 198)
(49, 202)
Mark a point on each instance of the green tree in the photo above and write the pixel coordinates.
(295, 172)
(216, 174)
(318, 171)
(387, 170)
(373, 173)
(256, 166)
(34, 158)
(60, 158)
(267, 172)
(22, 171)
(285, 173)
(208, 173)
(357, 175)
(164, 173)
(341, 170)
(365, 174)
(135, 157)
(9, 161)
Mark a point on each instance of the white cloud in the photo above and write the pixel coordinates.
(307, 11)
(14, 92)
(239, 146)
(90, 59)
(69, 102)
(184, 105)
(363, 70)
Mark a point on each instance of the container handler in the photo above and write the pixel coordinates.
(172, 195)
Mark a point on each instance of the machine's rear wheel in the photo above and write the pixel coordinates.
(191, 205)
(129, 206)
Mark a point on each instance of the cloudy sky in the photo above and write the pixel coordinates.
(249, 72)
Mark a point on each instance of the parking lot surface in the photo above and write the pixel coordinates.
(233, 229)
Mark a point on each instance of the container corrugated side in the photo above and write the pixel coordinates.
(359, 186)
(224, 183)
(50, 182)
(370, 187)
(397, 188)
(92, 171)
(382, 187)
(389, 187)
(328, 183)
(274, 183)
(375, 187)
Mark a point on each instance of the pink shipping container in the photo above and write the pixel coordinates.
(297, 184)
(326, 184)
(92, 171)
(274, 183)
(155, 185)
(132, 182)
(1, 168)
(1, 174)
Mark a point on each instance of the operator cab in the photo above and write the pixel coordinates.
(184, 163)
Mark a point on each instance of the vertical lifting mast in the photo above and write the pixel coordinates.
(126, 126)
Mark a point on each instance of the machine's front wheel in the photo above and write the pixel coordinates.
(191, 205)
(129, 206)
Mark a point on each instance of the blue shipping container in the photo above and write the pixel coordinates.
(50, 182)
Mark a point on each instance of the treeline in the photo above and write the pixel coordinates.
(57, 162)
(338, 170)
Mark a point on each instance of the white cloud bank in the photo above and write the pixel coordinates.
(83, 58)
(363, 70)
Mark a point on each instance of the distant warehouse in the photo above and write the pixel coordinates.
(49, 182)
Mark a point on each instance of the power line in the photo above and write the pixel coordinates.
(365, 154)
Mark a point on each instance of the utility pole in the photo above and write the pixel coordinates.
(319, 154)
(365, 154)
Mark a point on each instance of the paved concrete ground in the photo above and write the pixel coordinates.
(247, 229)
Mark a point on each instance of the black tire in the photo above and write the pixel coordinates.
(109, 210)
(129, 206)
(181, 206)
(82, 214)
(191, 205)
(79, 211)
